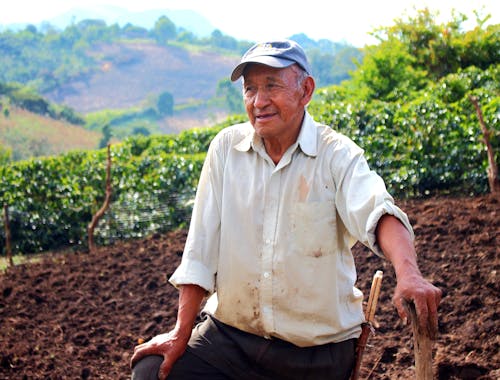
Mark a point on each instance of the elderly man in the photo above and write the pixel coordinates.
(280, 202)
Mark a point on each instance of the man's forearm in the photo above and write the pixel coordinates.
(190, 298)
(395, 242)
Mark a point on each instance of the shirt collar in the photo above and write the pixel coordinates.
(307, 139)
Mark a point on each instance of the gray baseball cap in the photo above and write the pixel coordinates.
(279, 54)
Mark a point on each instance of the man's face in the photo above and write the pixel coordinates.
(274, 100)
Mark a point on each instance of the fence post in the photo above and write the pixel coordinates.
(98, 215)
(8, 249)
(493, 179)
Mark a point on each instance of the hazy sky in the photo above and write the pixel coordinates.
(349, 20)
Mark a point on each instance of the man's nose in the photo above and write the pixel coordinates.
(261, 98)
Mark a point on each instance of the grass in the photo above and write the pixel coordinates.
(30, 135)
(33, 258)
(18, 260)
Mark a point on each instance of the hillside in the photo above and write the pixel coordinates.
(113, 72)
(29, 134)
(183, 18)
(132, 71)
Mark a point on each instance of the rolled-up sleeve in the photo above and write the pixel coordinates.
(193, 272)
(373, 219)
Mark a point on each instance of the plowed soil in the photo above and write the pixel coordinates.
(79, 315)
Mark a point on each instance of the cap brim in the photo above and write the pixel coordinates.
(263, 60)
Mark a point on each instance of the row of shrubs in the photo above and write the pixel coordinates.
(51, 200)
(428, 143)
(29, 99)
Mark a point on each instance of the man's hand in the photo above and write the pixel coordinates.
(424, 296)
(173, 344)
(170, 345)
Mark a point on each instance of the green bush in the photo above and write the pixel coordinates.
(429, 143)
(52, 200)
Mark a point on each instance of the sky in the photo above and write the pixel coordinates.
(349, 21)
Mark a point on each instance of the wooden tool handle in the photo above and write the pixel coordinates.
(422, 346)
(373, 297)
(366, 328)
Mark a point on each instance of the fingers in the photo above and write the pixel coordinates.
(425, 301)
(432, 306)
(168, 346)
(422, 314)
(165, 368)
(144, 349)
(400, 307)
(137, 355)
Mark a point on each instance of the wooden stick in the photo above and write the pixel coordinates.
(374, 294)
(98, 215)
(493, 179)
(8, 249)
(422, 346)
(367, 328)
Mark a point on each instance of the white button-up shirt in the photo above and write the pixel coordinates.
(272, 242)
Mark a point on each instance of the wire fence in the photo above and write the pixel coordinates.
(134, 215)
(136, 218)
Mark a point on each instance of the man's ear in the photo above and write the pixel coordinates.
(308, 86)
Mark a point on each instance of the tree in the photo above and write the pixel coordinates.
(187, 37)
(220, 40)
(164, 30)
(133, 31)
(106, 136)
(165, 104)
(443, 48)
(388, 72)
(227, 90)
(417, 50)
(143, 131)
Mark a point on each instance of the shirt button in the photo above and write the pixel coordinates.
(266, 274)
(268, 241)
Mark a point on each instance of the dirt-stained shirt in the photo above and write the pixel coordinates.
(272, 242)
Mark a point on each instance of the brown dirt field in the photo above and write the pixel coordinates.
(79, 315)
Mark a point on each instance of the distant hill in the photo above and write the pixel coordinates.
(186, 19)
(112, 66)
(132, 71)
(30, 135)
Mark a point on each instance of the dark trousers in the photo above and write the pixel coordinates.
(220, 352)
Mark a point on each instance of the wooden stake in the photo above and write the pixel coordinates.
(422, 343)
(98, 215)
(366, 328)
(493, 179)
(374, 294)
(8, 249)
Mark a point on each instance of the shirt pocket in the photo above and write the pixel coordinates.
(313, 228)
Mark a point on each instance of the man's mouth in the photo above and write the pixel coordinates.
(264, 116)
